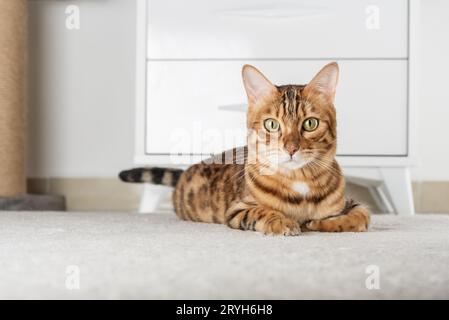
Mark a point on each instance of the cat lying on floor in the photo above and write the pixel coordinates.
(285, 180)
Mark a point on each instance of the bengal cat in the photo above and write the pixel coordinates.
(293, 185)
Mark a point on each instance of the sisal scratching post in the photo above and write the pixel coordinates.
(12, 88)
(13, 40)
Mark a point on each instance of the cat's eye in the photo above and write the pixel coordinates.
(310, 124)
(272, 125)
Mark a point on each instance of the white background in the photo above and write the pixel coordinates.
(81, 99)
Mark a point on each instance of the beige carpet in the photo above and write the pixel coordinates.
(125, 255)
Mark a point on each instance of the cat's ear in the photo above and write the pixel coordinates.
(324, 83)
(257, 86)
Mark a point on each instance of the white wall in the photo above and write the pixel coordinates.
(82, 89)
(82, 98)
(434, 110)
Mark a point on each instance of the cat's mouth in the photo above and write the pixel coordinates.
(292, 164)
(285, 163)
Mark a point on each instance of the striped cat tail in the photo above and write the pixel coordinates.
(165, 176)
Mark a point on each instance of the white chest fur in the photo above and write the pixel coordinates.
(301, 187)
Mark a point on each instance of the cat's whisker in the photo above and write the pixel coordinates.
(237, 175)
(325, 165)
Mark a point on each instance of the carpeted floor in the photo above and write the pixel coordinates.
(126, 255)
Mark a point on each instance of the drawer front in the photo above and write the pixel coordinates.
(191, 105)
(267, 29)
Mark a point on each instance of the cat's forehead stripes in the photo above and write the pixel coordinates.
(291, 102)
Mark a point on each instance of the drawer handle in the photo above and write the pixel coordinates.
(238, 107)
(275, 12)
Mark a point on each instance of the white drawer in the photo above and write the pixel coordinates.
(183, 100)
(267, 29)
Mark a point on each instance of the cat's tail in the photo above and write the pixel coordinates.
(165, 176)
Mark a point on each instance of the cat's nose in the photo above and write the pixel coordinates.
(291, 149)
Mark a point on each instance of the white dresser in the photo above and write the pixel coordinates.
(190, 97)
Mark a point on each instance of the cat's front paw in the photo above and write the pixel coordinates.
(336, 224)
(282, 226)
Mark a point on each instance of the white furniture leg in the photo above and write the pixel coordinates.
(151, 196)
(380, 199)
(397, 185)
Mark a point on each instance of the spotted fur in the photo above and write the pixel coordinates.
(241, 194)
